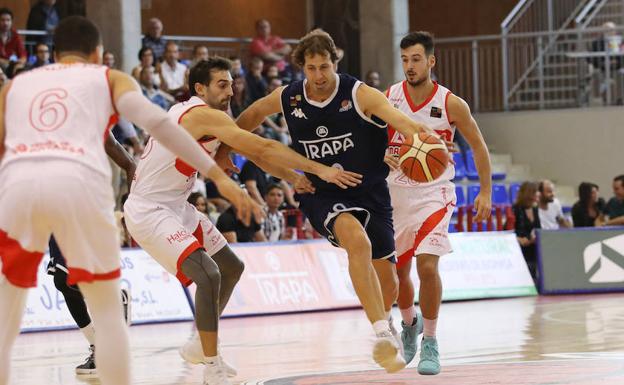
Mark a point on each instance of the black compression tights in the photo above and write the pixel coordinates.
(73, 298)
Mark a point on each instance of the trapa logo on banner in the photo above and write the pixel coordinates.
(604, 260)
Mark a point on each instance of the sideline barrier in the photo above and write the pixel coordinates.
(294, 276)
(582, 260)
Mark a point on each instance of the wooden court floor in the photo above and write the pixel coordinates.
(526, 341)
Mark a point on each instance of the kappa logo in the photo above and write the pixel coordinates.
(604, 260)
(297, 113)
(346, 105)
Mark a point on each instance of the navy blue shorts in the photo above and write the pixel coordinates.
(371, 207)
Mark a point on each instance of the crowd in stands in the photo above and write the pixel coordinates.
(162, 73)
(536, 207)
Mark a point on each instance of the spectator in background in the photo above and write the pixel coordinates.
(172, 72)
(526, 221)
(275, 125)
(43, 16)
(12, 51)
(239, 100)
(271, 72)
(270, 48)
(146, 59)
(550, 210)
(108, 59)
(256, 181)
(203, 206)
(588, 210)
(237, 67)
(274, 225)
(235, 231)
(372, 79)
(200, 52)
(614, 210)
(153, 38)
(256, 85)
(42, 56)
(152, 92)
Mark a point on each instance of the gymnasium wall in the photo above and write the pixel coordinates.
(568, 146)
(450, 18)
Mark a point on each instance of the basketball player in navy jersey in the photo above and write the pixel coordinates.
(71, 293)
(339, 121)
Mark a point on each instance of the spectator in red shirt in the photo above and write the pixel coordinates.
(11, 45)
(270, 48)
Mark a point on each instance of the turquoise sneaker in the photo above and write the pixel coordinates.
(409, 337)
(429, 357)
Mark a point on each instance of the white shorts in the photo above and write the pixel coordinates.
(421, 217)
(171, 234)
(63, 198)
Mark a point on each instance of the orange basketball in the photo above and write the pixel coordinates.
(423, 157)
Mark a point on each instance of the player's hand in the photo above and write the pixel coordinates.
(524, 242)
(392, 161)
(341, 178)
(224, 161)
(483, 206)
(303, 185)
(245, 206)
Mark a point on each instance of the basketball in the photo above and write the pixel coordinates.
(423, 157)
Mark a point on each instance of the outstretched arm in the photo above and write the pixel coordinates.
(208, 121)
(255, 114)
(120, 156)
(459, 114)
(3, 95)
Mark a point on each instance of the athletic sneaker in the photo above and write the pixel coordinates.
(89, 365)
(193, 353)
(429, 357)
(395, 334)
(409, 337)
(386, 353)
(126, 301)
(214, 374)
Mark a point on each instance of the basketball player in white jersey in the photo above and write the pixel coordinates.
(181, 238)
(55, 178)
(422, 211)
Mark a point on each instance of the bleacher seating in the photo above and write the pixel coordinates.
(471, 169)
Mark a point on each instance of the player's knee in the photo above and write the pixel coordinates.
(230, 265)
(403, 273)
(427, 267)
(201, 269)
(60, 281)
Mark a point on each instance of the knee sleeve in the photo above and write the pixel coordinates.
(73, 298)
(205, 273)
(230, 266)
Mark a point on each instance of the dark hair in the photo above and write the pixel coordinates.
(196, 47)
(202, 71)
(619, 178)
(107, 53)
(39, 45)
(316, 42)
(192, 199)
(143, 50)
(526, 194)
(585, 191)
(76, 34)
(6, 11)
(272, 187)
(423, 38)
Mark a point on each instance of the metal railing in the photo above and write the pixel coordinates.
(570, 75)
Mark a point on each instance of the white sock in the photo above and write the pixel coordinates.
(429, 327)
(381, 326)
(112, 356)
(408, 315)
(211, 360)
(89, 333)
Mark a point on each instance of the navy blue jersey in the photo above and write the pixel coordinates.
(336, 133)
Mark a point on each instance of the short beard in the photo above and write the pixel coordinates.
(417, 82)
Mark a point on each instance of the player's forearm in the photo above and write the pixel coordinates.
(617, 221)
(278, 171)
(484, 167)
(249, 119)
(276, 153)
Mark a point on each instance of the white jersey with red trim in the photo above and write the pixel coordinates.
(161, 176)
(432, 113)
(60, 111)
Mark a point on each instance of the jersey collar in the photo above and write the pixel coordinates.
(327, 101)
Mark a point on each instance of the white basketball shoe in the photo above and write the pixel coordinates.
(193, 353)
